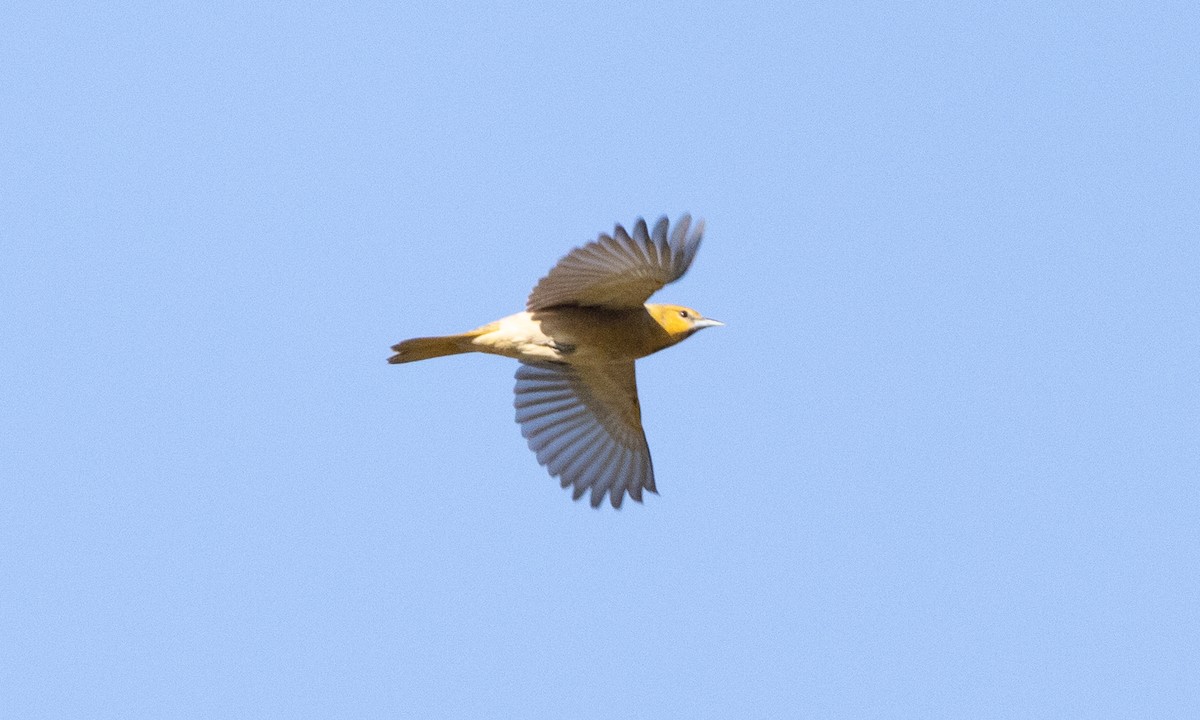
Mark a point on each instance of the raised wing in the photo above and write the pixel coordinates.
(585, 426)
(620, 270)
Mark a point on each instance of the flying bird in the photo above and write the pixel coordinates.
(584, 325)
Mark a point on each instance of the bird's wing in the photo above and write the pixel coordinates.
(620, 270)
(585, 425)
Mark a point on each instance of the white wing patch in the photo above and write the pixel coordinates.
(621, 270)
(584, 424)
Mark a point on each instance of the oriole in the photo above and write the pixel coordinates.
(584, 325)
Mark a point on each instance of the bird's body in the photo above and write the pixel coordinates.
(568, 334)
(586, 322)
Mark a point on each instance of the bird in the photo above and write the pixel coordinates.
(584, 325)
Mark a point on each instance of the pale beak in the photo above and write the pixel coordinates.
(707, 322)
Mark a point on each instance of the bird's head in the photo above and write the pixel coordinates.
(678, 321)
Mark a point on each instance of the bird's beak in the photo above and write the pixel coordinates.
(707, 322)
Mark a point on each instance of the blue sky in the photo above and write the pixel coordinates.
(942, 461)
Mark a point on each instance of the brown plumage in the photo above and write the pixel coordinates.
(584, 325)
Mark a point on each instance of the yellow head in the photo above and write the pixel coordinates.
(678, 321)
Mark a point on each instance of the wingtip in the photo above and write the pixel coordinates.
(615, 498)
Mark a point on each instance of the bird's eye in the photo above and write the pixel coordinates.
(683, 313)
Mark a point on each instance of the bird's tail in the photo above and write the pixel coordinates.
(431, 347)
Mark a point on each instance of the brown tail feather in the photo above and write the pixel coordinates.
(430, 347)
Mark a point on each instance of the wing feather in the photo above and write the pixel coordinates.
(620, 270)
(584, 425)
